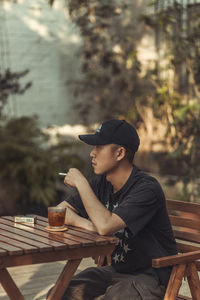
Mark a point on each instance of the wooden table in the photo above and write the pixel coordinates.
(22, 244)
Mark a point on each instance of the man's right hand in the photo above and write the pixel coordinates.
(74, 177)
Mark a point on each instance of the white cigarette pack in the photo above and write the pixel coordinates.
(25, 219)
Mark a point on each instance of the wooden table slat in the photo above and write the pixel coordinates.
(56, 237)
(28, 241)
(32, 235)
(25, 247)
(86, 237)
(73, 237)
(84, 232)
(12, 250)
(66, 236)
(3, 252)
(99, 240)
(94, 236)
(85, 240)
(63, 237)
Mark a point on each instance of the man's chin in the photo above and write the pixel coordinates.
(97, 172)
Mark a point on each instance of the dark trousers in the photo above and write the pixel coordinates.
(104, 283)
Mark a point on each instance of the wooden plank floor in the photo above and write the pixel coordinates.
(35, 280)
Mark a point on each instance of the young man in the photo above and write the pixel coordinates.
(124, 201)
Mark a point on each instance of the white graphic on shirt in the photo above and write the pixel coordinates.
(122, 257)
(115, 205)
(111, 206)
(107, 205)
(116, 257)
(126, 248)
(123, 247)
(120, 243)
(126, 234)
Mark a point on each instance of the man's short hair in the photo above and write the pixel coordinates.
(129, 155)
(129, 152)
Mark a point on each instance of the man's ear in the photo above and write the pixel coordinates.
(121, 152)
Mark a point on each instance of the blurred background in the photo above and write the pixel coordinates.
(68, 65)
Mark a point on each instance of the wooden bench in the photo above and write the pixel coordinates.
(187, 263)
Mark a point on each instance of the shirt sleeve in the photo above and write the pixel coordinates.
(137, 208)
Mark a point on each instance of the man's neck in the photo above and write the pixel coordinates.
(119, 177)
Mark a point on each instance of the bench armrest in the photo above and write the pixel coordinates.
(175, 259)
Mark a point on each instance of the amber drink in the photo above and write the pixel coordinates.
(56, 217)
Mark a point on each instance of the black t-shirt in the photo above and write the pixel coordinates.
(140, 203)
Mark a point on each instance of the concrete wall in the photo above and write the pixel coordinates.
(42, 39)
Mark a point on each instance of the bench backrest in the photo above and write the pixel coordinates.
(185, 220)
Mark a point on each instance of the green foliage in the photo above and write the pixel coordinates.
(9, 84)
(180, 104)
(109, 58)
(112, 78)
(26, 168)
(183, 134)
(65, 156)
(29, 165)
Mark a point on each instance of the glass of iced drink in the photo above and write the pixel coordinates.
(56, 217)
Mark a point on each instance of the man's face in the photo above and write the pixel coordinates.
(104, 159)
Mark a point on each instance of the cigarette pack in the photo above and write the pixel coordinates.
(25, 219)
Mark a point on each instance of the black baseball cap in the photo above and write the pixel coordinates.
(114, 131)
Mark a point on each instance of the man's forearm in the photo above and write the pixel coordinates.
(74, 219)
(99, 215)
(104, 221)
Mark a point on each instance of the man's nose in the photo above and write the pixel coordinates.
(92, 153)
